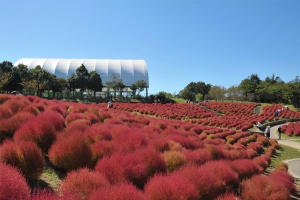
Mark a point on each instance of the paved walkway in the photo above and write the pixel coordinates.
(293, 164)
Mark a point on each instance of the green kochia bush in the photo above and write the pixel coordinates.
(71, 152)
(13, 185)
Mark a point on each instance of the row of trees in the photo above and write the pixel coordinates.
(37, 80)
(270, 90)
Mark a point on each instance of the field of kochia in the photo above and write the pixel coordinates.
(139, 151)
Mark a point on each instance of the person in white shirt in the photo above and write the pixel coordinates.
(258, 125)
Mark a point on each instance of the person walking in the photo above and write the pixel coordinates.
(259, 125)
(279, 132)
(267, 132)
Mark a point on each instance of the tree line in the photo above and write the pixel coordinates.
(38, 80)
(270, 90)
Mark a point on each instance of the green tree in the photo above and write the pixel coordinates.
(116, 84)
(82, 78)
(294, 92)
(14, 82)
(59, 85)
(5, 73)
(133, 88)
(249, 86)
(141, 85)
(186, 94)
(234, 93)
(73, 83)
(95, 82)
(217, 93)
(161, 96)
(39, 79)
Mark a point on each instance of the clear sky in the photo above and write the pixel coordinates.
(220, 42)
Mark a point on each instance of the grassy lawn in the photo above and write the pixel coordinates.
(179, 100)
(285, 153)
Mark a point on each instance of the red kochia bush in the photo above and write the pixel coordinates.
(153, 160)
(43, 194)
(75, 116)
(25, 155)
(16, 105)
(98, 132)
(245, 168)
(223, 172)
(173, 186)
(205, 181)
(71, 152)
(9, 126)
(5, 112)
(285, 178)
(121, 191)
(124, 167)
(39, 130)
(83, 182)
(262, 187)
(13, 185)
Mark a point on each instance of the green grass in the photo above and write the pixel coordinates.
(285, 153)
(179, 100)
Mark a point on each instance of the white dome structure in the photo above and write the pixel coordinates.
(129, 71)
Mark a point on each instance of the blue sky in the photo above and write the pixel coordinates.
(217, 42)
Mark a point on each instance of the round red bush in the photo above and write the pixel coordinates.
(13, 185)
(71, 152)
(173, 186)
(121, 191)
(83, 182)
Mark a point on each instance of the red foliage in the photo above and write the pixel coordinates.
(285, 179)
(98, 132)
(173, 186)
(83, 182)
(222, 170)
(71, 152)
(43, 194)
(31, 109)
(103, 148)
(16, 104)
(123, 167)
(245, 168)
(4, 97)
(256, 147)
(197, 157)
(5, 112)
(130, 141)
(78, 125)
(261, 161)
(9, 126)
(205, 181)
(39, 130)
(24, 155)
(262, 187)
(75, 116)
(153, 160)
(121, 191)
(13, 185)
